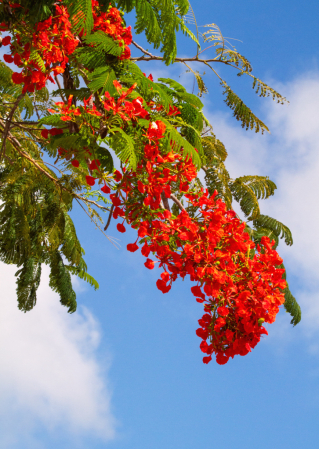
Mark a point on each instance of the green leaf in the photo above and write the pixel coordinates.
(103, 42)
(102, 78)
(282, 231)
(81, 16)
(241, 112)
(123, 145)
(105, 157)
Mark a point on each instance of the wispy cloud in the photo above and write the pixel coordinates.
(50, 377)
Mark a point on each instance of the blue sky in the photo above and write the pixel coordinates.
(125, 371)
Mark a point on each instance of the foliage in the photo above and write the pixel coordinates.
(54, 152)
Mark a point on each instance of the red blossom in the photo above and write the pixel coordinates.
(90, 180)
(121, 227)
(132, 247)
(106, 189)
(149, 264)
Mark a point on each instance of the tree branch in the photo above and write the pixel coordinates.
(176, 201)
(7, 125)
(165, 201)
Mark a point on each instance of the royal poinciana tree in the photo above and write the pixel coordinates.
(55, 152)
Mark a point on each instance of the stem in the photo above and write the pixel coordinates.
(176, 201)
(7, 125)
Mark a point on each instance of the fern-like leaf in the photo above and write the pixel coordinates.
(282, 231)
(81, 16)
(102, 79)
(123, 145)
(242, 112)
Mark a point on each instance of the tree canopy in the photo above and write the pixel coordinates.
(55, 152)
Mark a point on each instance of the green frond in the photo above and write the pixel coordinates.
(103, 42)
(53, 120)
(190, 132)
(27, 105)
(187, 31)
(148, 20)
(105, 158)
(180, 93)
(262, 186)
(180, 143)
(291, 305)
(65, 141)
(123, 146)
(6, 84)
(242, 112)
(282, 231)
(34, 56)
(102, 79)
(90, 57)
(264, 90)
(81, 16)
(247, 190)
(71, 247)
(79, 94)
(60, 282)
(217, 178)
(28, 281)
(82, 274)
(213, 149)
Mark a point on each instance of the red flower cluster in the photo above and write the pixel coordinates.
(46, 51)
(239, 285)
(240, 289)
(111, 23)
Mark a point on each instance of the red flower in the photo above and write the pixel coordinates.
(8, 58)
(6, 40)
(207, 359)
(161, 285)
(94, 165)
(132, 247)
(75, 163)
(197, 291)
(106, 189)
(45, 133)
(145, 249)
(90, 180)
(117, 176)
(115, 200)
(55, 131)
(221, 358)
(17, 78)
(121, 227)
(149, 264)
(223, 311)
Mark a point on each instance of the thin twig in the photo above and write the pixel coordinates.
(176, 201)
(110, 218)
(165, 201)
(7, 126)
(59, 85)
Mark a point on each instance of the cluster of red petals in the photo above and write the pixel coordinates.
(111, 23)
(53, 41)
(239, 285)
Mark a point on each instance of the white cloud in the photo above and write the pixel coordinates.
(50, 376)
(290, 156)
